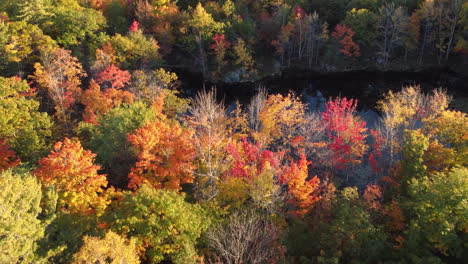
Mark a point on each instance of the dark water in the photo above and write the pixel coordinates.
(366, 86)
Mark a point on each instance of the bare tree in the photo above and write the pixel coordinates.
(255, 107)
(246, 237)
(211, 137)
(391, 27)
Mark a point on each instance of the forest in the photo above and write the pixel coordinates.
(106, 156)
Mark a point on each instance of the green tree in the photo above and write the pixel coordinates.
(412, 163)
(20, 228)
(244, 59)
(135, 50)
(21, 123)
(80, 27)
(350, 236)
(21, 45)
(438, 206)
(34, 11)
(203, 27)
(462, 33)
(109, 138)
(165, 226)
(363, 22)
(116, 18)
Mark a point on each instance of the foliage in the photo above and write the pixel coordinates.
(345, 35)
(350, 235)
(412, 161)
(8, 157)
(99, 102)
(109, 138)
(113, 77)
(165, 226)
(23, 127)
(134, 50)
(253, 174)
(112, 249)
(438, 205)
(165, 156)
(71, 171)
(59, 73)
(20, 228)
(279, 118)
(72, 26)
(302, 191)
(21, 45)
(346, 132)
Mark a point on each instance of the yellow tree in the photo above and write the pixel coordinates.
(276, 121)
(70, 169)
(111, 249)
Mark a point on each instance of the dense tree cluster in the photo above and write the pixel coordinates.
(102, 161)
(236, 40)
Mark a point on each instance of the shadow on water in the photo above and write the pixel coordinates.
(366, 86)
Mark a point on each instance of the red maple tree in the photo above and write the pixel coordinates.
(345, 35)
(345, 131)
(8, 157)
(113, 77)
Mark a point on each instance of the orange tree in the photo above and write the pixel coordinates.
(70, 169)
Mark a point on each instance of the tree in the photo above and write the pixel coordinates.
(246, 237)
(391, 26)
(276, 121)
(20, 228)
(203, 27)
(8, 157)
(99, 102)
(411, 33)
(148, 86)
(220, 47)
(244, 59)
(450, 129)
(407, 109)
(302, 191)
(109, 139)
(23, 127)
(350, 235)
(412, 163)
(211, 137)
(134, 50)
(462, 34)
(72, 27)
(113, 77)
(363, 23)
(165, 156)
(112, 249)
(438, 203)
(165, 226)
(345, 34)
(345, 131)
(35, 11)
(22, 45)
(253, 174)
(71, 170)
(60, 74)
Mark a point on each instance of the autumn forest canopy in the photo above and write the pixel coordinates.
(106, 158)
